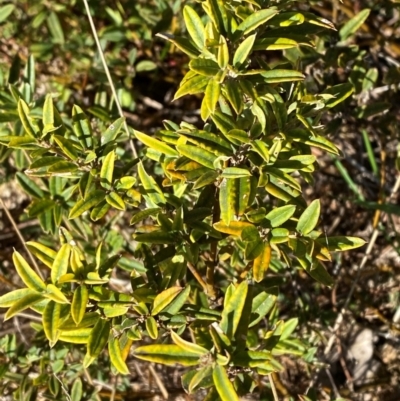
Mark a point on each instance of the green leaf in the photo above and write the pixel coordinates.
(92, 199)
(98, 337)
(115, 201)
(99, 211)
(211, 95)
(6, 11)
(223, 53)
(242, 52)
(51, 321)
(30, 125)
(68, 146)
(61, 263)
(195, 27)
(223, 385)
(208, 178)
(155, 144)
(164, 298)
(201, 156)
(340, 93)
(354, 24)
(157, 237)
(289, 327)
(107, 171)
(77, 336)
(261, 263)
(76, 390)
(42, 252)
(234, 95)
(152, 189)
(38, 207)
(278, 75)
(181, 43)
(113, 130)
(12, 297)
(255, 19)
(82, 127)
(27, 274)
(55, 294)
(188, 346)
(29, 185)
(114, 350)
(195, 84)
(204, 66)
(174, 307)
(55, 28)
(339, 244)
(309, 218)
(235, 172)
(280, 215)
(233, 228)
(152, 328)
(79, 303)
(167, 354)
(227, 200)
(217, 13)
(63, 168)
(261, 305)
(23, 303)
(232, 312)
(143, 214)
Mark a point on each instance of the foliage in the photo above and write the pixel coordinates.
(213, 208)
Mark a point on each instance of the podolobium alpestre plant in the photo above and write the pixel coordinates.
(229, 202)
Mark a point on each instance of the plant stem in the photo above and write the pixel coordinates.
(273, 388)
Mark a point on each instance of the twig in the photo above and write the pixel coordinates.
(197, 276)
(65, 391)
(160, 384)
(273, 388)
(21, 238)
(107, 71)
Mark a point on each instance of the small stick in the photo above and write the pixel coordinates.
(273, 388)
(107, 71)
(159, 383)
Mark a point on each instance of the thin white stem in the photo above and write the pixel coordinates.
(107, 71)
(273, 388)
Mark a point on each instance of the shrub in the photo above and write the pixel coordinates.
(213, 208)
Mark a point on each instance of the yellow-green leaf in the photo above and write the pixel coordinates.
(242, 52)
(164, 298)
(56, 294)
(211, 95)
(77, 336)
(167, 354)
(309, 218)
(205, 67)
(223, 385)
(155, 144)
(61, 263)
(42, 252)
(279, 75)
(195, 27)
(223, 53)
(79, 303)
(227, 199)
(152, 328)
(92, 199)
(255, 19)
(261, 263)
(152, 189)
(107, 171)
(98, 337)
(51, 321)
(116, 358)
(280, 215)
(27, 274)
(115, 201)
(335, 244)
(68, 146)
(82, 127)
(354, 24)
(201, 156)
(188, 346)
(23, 303)
(30, 125)
(233, 309)
(12, 297)
(233, 228)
